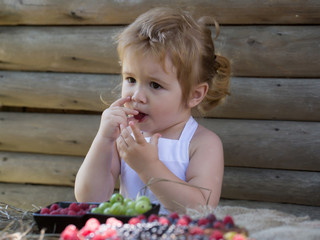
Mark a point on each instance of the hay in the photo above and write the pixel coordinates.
(17, 224)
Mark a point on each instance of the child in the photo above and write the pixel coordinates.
(148, 135)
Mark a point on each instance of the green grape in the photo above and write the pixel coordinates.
(142, 206)
(116, 197)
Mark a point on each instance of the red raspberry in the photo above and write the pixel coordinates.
(203, 221)
(55, 212)
(174, 215)
(64, 211)
(134, 221)
(164, 221)
(91, 226)
(153, 218)
(70, 233)
(72, 213)
(74, 207)
(183, 222)
(53, 207)
(109, 233)
(228, 220)
(44, 211)
(196, 231)
(84, 206)
(216, 235)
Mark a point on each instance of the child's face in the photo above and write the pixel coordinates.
(155, 93)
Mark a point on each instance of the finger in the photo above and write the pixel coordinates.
(137, 133)
(126, 135)
(155, 139)
(120, 102)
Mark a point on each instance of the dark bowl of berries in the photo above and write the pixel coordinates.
(55, 217)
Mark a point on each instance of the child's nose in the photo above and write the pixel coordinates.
(139, 96)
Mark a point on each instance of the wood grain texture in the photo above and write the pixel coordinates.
(38, 168)
(249, 143)
(297, 187)
(251, 98)
(97, 12)
(27, 196)
(256, 51)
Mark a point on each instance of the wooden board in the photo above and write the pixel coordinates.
(250, 143)
(28, 196)
(251, 98)
(38, 168)
(297, 187)
(115, 12)
(259, 51)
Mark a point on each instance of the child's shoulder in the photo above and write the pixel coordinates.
(204, 138)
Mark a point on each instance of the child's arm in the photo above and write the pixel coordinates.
(205, 169)
(100, 169)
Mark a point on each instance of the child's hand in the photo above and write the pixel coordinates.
(137, 153)
(113, 117)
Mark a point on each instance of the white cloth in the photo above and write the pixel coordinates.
(173, 153)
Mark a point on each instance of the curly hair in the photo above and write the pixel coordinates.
(188, 43)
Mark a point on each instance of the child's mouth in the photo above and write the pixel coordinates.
(140, 116)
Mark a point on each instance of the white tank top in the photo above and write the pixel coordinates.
(173, 153)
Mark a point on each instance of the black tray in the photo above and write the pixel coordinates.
(57, 223)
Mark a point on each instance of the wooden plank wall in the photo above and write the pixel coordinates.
(57, 57)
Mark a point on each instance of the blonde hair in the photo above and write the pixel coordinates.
(162, 31)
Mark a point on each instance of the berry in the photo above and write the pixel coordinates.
(182, 222)
(174, 215)
(218, 225)
(153, 218)
(72, 213)
(216, 235)
(70, 233)
(44, 211)
(203, 221)
(114, 222)
(239, 237)
(142, 217)
(91, 226)
(211, 218)
(228, 219)
(196, 231)
(84, 206)
(74, 207)
(53, 207)
(164, 221)
(188, 218)
(134, 221)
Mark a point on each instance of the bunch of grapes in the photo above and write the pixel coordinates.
(118, 205)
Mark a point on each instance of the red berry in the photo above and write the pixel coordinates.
(84, 206)
(239, 237)
(196, 231)
(183, 222)
(141, 217)
(74, 207)
(203, 221)
(91, 226)
(72, 213)
(188, 218)
(54, 206)
(164, 221)
(216, 235)
(218, 225)
(70, 233)
(228, 220)
(64, 211)
(55, 212)
(109, 233)
(134, 221)
(44, 211)
(211, 218)
(153, 218)
(174, 215)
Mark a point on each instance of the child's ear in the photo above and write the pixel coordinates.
(198, 93)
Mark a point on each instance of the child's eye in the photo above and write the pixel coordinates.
(130, 80)
(155, 85)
